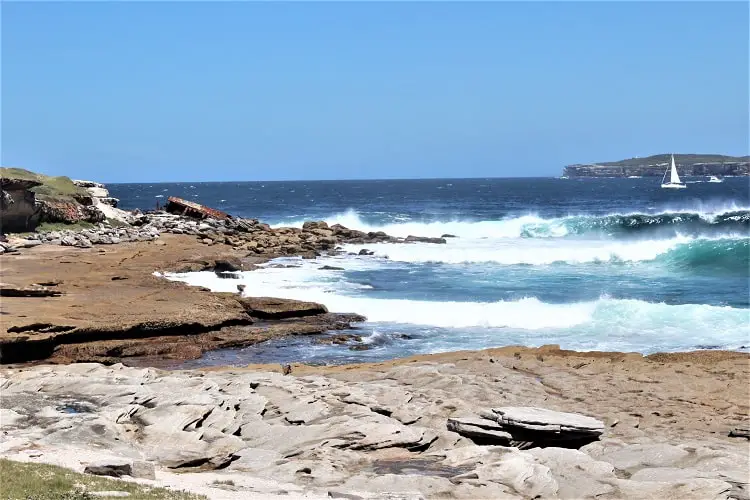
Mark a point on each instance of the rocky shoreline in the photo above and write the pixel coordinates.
(126, 255)
(244, 234)
(67, 304)
(176, 322)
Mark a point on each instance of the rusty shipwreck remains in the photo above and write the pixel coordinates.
(191, 209)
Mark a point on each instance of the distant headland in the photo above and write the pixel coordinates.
(654, 166)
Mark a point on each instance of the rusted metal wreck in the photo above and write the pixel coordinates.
(191, 209)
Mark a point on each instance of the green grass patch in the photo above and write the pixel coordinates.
(117, 223)
(52, 187)
(31, 481)
(46, 227)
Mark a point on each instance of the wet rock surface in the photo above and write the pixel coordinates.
(352, 433)
(68, 304)
(249, 235)
(271, 308)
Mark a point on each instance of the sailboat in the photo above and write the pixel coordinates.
(674, 178)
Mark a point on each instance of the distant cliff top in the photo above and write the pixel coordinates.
(679, 158)
(652, 166)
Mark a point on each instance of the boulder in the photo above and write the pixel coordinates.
(112, 202)
(479, 430)
(314, 225)
(272, 308)
(98, 192)
(118, 468)
(227, 265)
(740, 432)
(424, 239)
(532, 418)
(83, 242)
(534, 427)
(27, 243)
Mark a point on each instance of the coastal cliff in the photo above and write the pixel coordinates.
(654, 166)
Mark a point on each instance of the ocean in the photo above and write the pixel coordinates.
(589, 264)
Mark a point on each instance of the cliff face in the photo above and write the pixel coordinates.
(654, 166)
(30, 198)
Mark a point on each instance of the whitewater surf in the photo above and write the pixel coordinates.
(599, 265)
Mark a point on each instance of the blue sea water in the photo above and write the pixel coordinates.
(590, 264)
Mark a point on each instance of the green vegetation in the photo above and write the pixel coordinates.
(117, 223)
(52, 187)
(45, 227)
(682, 159)
(27, 481)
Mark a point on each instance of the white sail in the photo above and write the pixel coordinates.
(673, 177)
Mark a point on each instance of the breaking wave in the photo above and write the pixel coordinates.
(729, 253)
(622, 324)
(619, 224)
(693, 223)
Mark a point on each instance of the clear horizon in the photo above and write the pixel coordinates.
(234, 92)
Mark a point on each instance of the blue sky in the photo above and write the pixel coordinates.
(146, 91)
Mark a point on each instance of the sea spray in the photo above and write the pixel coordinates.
(616, 225)
(730, 252)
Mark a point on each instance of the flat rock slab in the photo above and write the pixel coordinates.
(13, 291)
(740, 432)
(272, 308)
(338, 431)
(479, 429)
(119, 468)
(541, 419)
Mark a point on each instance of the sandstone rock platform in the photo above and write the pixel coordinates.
(382, 430)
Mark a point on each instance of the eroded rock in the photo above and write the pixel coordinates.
(534, 426)
(118, 468)
(272, 308)
(343, 432)
(480, 430)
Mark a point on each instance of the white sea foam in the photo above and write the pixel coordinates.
(607, 319)
(524, 251)
(603, 324)
(510, 227)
